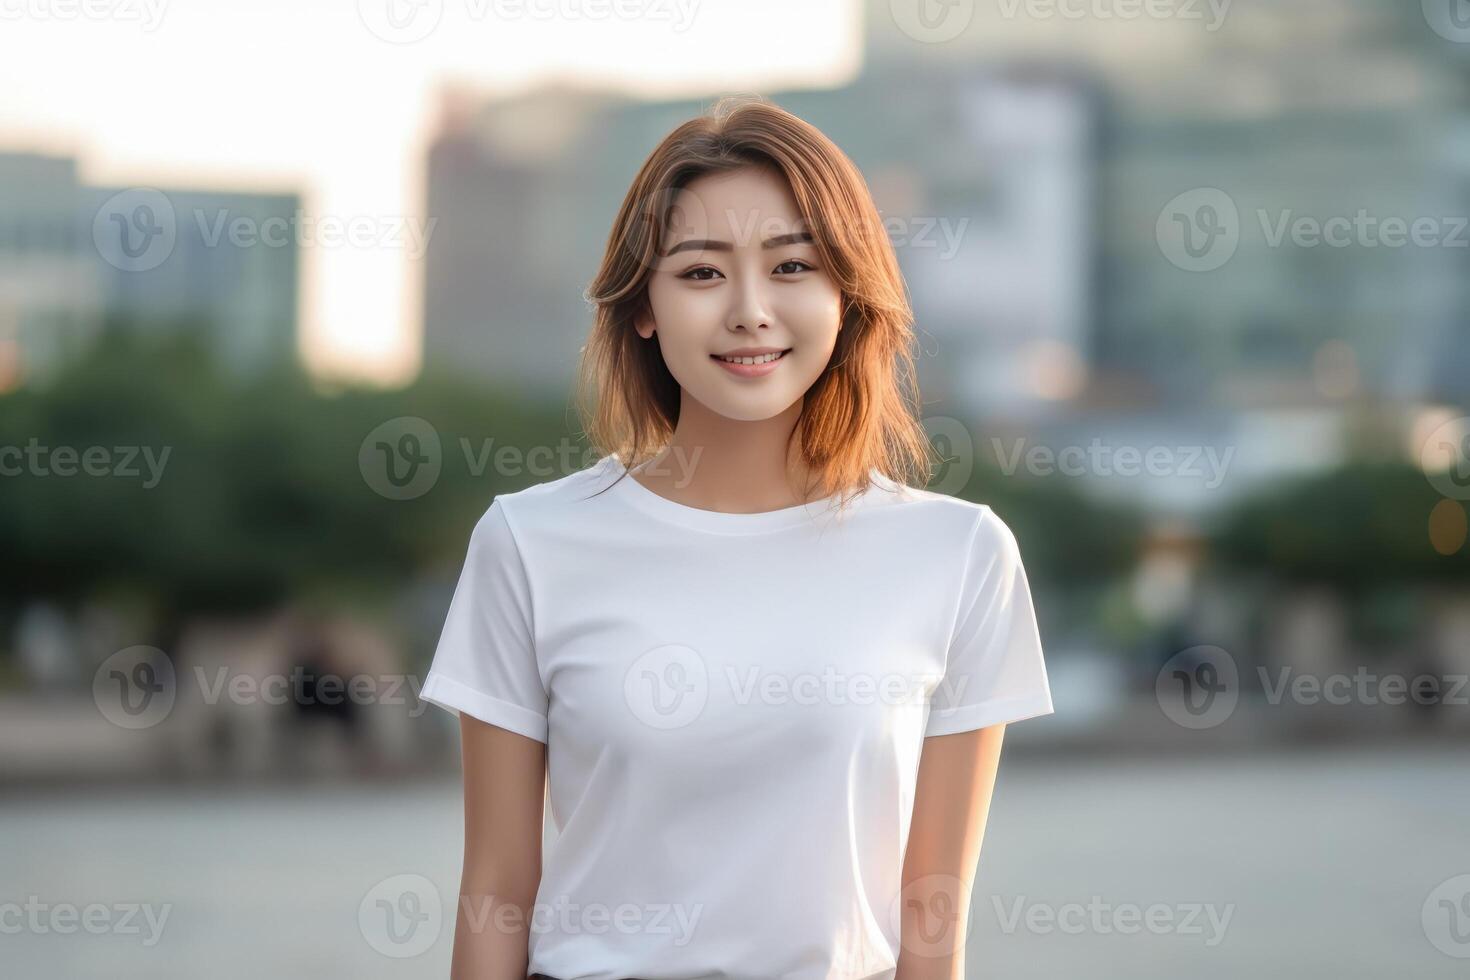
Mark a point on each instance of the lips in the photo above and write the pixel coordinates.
(751, 366)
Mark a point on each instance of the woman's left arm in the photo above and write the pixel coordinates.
(951, 804)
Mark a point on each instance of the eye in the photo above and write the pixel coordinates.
(694, 275)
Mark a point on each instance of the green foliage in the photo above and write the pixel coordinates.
(1362, 528)
(261, 494)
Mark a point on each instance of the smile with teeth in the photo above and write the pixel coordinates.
(758, 359)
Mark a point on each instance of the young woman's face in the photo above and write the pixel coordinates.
(738, 273)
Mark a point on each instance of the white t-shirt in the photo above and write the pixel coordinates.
(734, 706)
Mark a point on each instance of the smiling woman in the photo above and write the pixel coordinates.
(757, 307)
(647, 648)
(748, 234)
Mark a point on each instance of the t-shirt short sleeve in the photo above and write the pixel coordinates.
(994, 669)
(485, 662)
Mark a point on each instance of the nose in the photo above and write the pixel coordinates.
(749, 306)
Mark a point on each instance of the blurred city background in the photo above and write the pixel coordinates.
(289, 292)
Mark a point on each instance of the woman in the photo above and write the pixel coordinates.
(764, 676)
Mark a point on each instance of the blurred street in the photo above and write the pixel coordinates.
(268, 882)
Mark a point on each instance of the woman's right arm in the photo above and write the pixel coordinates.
(504, 796)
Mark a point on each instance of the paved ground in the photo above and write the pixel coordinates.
(1298, 865)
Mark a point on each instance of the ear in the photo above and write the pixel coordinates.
(643, 322)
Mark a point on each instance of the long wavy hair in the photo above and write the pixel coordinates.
(861, 412)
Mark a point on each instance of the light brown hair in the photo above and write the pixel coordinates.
(860, 413)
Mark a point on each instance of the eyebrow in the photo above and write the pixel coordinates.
(709, 245)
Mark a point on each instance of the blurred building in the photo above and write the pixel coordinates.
(983, 179)
(1277, 352)
(73, 255)
(50, 280)
(1304, 111)
(519, 193)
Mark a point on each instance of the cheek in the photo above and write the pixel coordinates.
(684, 310)
(681, 321)
(813, 314)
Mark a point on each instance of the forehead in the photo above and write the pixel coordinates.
(740, 206)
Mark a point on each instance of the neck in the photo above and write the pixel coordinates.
(717, 463)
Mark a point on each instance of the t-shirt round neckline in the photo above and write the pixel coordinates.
(719, 521)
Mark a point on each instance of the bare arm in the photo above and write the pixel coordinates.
(504, 792)
(951, 805)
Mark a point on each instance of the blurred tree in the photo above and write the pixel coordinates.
(238, 493)
(1362, 527)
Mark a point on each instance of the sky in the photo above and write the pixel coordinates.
(336, 101)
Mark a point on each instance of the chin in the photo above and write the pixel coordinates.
(755, 408)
